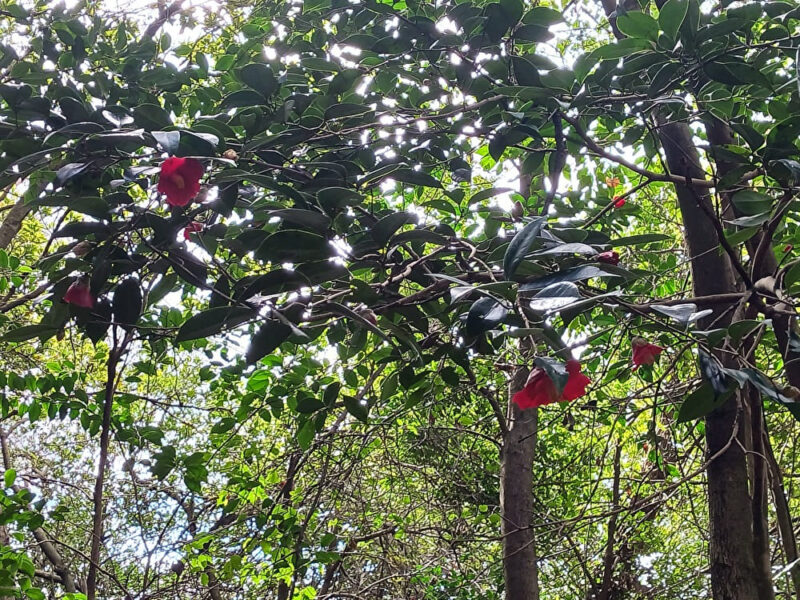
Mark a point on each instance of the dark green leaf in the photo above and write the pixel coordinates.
(750, 202)
(28, 332)
(484, 314)
(259, 77)
(212, 321)
(520, 245)
(267, 339)
(701, 402)
(127, 305)
(671, 15)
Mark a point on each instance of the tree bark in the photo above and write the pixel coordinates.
(783, 516)
(516, 497)
(13, 222)
(105, 438)
(733, 570)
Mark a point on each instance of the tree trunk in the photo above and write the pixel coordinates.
(516, 497)
(13, 222)
(733, 571)
(783, 516)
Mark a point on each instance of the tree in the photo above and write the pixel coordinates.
(284, 271)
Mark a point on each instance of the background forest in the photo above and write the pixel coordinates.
(279, 281)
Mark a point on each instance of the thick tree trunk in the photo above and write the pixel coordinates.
(733, 570)
(516, 498)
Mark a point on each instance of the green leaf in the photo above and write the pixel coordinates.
(9, 477)
(636, 24)
(385, 228)
(682, 313)
(70, 171)
(533, 33)
(295, 246)
(581, 273)
(743, 328)
(555, 296)
(331, 393)
(28, 332)
(259, 77)
(488, 193)
(413, 177)
(332, 199)
(212, 321)
(358, 408)
(485, 313)
(267, 339)
(636, 240)
(340, 111)
(127, 304)
(313, 63)
(309, 404)
(274, 282)
(168, 140)
(749, 202)
(701, 402)
(151, 117)
(623, 48)
(303, 218)
(526, 72)
(242, 98)
(670, 17)
(305, 435)
(520, 245)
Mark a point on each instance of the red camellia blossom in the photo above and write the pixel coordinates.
(644, 353)
(619, 201)
(609, 257)
(191, 228)
(79, 293)
(179, 180)
(540, 389)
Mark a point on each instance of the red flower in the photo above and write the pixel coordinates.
(619, 201)
(609, 257)
(192, 227)
(788, 248)
(644, 353)
(79, 294)
(540, 389)
(179, 180)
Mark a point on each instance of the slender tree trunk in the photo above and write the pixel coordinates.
(520, 569)
(784, 517)
(516, 498)
(13, 222)
(102, 464)
(610, 558)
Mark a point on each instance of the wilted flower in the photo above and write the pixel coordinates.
(644, 353)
